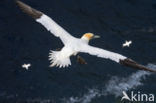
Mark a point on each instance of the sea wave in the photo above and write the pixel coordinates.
(114, 86)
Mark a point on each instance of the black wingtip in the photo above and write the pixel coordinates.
(135, 65)
(29, 10)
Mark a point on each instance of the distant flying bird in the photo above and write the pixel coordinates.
(127, 43)
(26, 66)
(72, 45)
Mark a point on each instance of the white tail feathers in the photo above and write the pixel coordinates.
(57, 59)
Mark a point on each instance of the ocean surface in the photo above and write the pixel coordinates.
(22, 40)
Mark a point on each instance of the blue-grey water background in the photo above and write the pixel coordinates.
(22, 40)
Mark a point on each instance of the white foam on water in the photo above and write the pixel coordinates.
(114, 86)
(86, 98)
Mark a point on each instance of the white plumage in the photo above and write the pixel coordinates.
(73, 45)
(127, 43)
(54, 28)
(26, 66)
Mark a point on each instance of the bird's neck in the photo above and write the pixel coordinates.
(86, 40)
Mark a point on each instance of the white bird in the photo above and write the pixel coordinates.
(72, 45)
(127, 43)
(26, 66)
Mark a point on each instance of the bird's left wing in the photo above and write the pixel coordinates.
(46, 21)
(113, 56)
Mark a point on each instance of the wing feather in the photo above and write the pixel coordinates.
(115, 57)
(54, 28)
(103, 53)
(46, 21)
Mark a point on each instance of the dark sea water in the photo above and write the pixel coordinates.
(22, 40)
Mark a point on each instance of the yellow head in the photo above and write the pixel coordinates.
(89, 36)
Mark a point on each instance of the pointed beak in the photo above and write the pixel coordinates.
(96, 36)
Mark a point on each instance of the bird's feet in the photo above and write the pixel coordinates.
(58, 49)
(80, 60)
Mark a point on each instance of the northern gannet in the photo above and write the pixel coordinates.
(127, 43)
(26, 66)
(72, 45)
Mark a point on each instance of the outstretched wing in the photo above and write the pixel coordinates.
(102, 53)
(46, 21)
(113, 56)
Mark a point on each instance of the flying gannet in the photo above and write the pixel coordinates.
(127, 43)
(26, 66)
(72, 45)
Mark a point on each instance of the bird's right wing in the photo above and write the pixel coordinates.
(102, 53)
(46, 21)
(113, 56)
